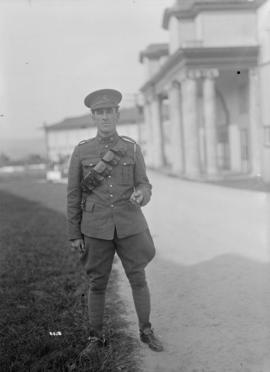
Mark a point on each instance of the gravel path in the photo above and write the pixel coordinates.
(210, 280)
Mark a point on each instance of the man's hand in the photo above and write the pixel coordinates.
(136, 197)
(78, 245)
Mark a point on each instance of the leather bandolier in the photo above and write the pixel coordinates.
(101, 170)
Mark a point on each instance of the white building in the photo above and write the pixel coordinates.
(62, 137)
(214, 79)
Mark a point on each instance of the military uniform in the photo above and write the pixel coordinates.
(108, 207)
(107, 220)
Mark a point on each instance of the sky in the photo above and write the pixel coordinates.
(55, 52)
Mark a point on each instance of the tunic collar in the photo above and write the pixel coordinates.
(108, 140)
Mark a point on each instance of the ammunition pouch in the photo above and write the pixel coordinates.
(111, 158)
(101, 170)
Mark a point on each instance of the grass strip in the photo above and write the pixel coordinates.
(43, 314)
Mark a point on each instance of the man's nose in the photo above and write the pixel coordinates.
(104, 115)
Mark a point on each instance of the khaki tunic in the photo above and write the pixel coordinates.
(107, 207)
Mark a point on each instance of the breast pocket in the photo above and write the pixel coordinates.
(126, 168)
(88, 164)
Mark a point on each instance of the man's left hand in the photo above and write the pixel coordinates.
(137, 197)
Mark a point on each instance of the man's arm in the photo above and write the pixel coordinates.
(74, 196)
(141, 182)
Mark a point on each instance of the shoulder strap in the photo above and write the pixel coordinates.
(131, 140)
(85, 141)
(82, 142)
(128, 139)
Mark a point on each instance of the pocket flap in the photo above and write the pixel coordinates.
(127, 161)
(90, 162)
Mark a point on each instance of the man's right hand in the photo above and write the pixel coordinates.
(78, 245)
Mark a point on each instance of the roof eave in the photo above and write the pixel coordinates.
(191, 54)
(196, 8)
(161, 51)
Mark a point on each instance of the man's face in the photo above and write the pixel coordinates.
(106, 119)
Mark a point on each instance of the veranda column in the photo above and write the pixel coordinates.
(209, 109)
(190, 121)
(255, 133)
(157, 154)
(176, 124)
(149, 134)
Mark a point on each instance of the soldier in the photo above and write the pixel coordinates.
(107, 186)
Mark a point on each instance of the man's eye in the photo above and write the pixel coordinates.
(103, 111)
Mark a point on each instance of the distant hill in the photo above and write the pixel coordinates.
(17, 148)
